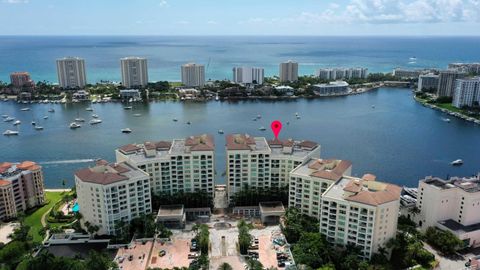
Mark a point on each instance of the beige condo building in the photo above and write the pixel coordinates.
(109, 193)
(21, 188)
(181, 165)
(259, 163)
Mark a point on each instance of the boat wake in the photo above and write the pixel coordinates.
(71, 161)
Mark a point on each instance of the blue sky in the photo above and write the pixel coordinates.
(246, 17)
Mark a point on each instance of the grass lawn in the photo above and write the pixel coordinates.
(449, 107)
(34, 219)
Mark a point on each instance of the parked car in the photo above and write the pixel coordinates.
(130, 258)
(162, 253)
(192, 256)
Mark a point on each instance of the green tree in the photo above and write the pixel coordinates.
(313, 250)
(445, 241)
(225, 266)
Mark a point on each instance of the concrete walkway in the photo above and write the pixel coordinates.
(446, 263)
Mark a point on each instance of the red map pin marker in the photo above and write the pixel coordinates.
(276, 127)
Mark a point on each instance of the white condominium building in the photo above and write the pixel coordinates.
(21, 187)
(452, 205)
(248, 75)
(134, 72)
(259, 163)
(360, 212)
(428, 82)
(466, 92)
(310, 180)
(181, 165)
(71, 72)
(288, 71)
(193, 75)
(342, 73)
(109, 193)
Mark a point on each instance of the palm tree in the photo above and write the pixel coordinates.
(64, 183)
(225, 266)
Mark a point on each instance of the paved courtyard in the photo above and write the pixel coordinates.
(6, 230)
(135, 257)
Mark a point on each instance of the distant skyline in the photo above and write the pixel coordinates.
(246, 17)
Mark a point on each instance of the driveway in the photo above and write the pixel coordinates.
(447, 263)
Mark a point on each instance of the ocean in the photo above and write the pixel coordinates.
(165, 54)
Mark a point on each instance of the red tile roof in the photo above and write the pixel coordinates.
(129, 148)
(308, 144)
(329, 169)
(4, 182)
(103, 176)
(200, 143)
(369, 196)
(239, 141)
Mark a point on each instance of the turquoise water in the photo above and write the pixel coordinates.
(165, 54)
(398, 140)
(75, 208)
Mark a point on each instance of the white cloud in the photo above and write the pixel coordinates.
(386, 12)
(163, 3)
(15, 1)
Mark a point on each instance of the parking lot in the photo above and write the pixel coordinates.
(174, 254)
(135, 257)
(268, 250)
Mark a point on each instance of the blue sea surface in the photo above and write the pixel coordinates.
(37, 54)
(398, 140)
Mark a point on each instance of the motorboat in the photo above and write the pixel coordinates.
(74, 125)
(262, 128)
(52, 110)
(16, 123)
(188, 123)
(25, 109)
(4, 115)
(373, 106)
(94, 116)
(89, 109)
(38, 128)
(217, 98)
(259, 116)
(446, 120)
(10, 132)
(126, 130)
(79, 119)
(127, 107)
(95, 121)
(175, 119)
(9, 119)
(137, 114)
(457, 162)
(45, 117)
(220, 131)
(33, 123)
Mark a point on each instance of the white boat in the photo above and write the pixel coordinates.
(10, 132)
(4, 115)
(259, 116)
(95, 121)
(16, 123)
(137, 114)
(33, 123)
(94, 116)
(89, 109)
(38, 128)
(262, 128)
(298, 116)
(25, 109)
(217, 98)
(74, 125)
(457, 162)
(412, 58)
(127, 107)
(446, 120)
(51, 110)
(9, 119)
(220, 131)
(79, 119)
(126, 130)
(45, 117)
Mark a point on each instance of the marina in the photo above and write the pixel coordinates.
(346, 127)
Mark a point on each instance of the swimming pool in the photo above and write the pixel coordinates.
(75, 208)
